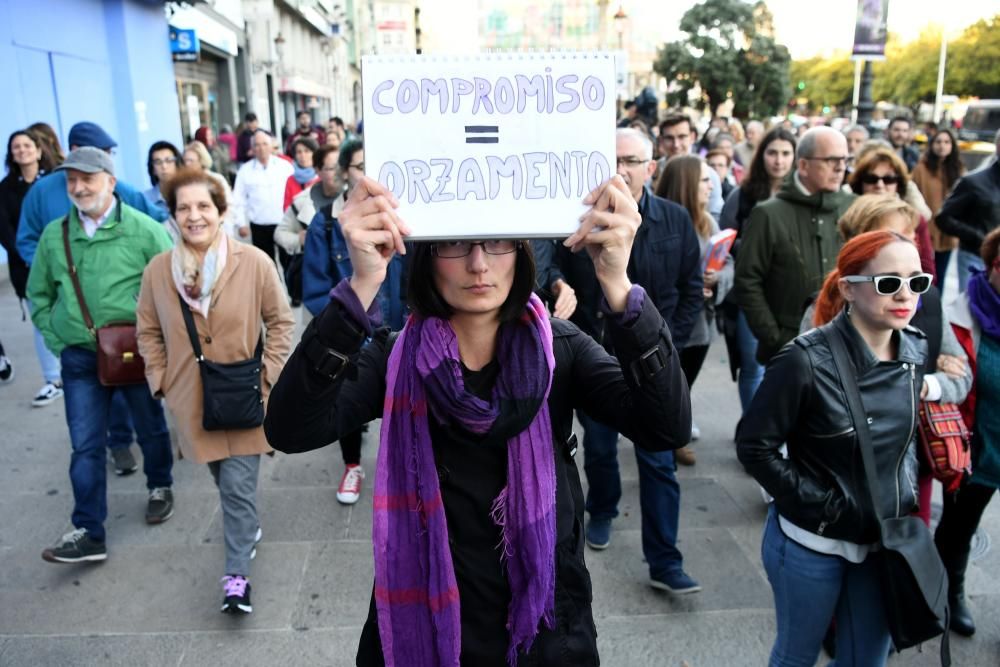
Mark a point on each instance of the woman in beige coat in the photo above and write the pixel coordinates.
(235, 297)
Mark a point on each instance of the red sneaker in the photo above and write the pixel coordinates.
(350, 485)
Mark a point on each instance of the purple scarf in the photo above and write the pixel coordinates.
(984, 302)
(416, 593)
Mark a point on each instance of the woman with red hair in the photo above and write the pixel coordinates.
(216, 149)
(821, 527)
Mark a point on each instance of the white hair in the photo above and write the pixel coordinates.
(632, 133)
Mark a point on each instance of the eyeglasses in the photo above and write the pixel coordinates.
(159, 162)
(872, 179)
(360, 166)
(889, 285)
(832, 160)
(630, 161)
(456, 249)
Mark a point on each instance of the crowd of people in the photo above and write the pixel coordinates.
(477, 356)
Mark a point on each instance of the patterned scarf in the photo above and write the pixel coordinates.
(416, 593)
(195, 281)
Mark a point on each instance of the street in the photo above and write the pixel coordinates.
(156, 599)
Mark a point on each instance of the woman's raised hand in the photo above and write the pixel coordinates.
(607, 231)
(374, 233)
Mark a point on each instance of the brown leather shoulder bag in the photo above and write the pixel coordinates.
(118, 358)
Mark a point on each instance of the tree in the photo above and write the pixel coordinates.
(908, 75)
(826, 82)
(972, 59)
(728, 51)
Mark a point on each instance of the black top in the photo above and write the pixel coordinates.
(972, 210)
(307, 410)
(13, 190)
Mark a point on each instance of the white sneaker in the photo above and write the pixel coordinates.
(6, 370)
(51, 391)
(350, 485)
(256, 540)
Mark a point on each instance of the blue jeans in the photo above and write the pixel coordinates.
(659, 493)
(966, 262)
(751, 372)
(119, 423)
(48, 361)
(88, 404)
(810, 589)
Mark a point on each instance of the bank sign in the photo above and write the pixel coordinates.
(184, 45)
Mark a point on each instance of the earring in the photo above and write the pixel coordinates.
(849, 305)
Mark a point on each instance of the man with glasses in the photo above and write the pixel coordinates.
(666, 262)
(677, 135)
(791, 242)
(325, 262)
(259, 195)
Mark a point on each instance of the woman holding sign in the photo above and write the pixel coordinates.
(478, 529)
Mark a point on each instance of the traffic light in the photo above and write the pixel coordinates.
(802, 85)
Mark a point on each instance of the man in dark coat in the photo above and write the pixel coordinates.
(972, 211)
(666, 262)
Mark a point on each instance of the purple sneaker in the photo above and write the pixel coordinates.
(237, 591)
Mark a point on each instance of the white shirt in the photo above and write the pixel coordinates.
(259, 193)
(90, 225)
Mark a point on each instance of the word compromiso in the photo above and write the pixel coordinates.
(536, 175)
(504, 95)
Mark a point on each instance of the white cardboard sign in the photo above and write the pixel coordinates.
(493, 145)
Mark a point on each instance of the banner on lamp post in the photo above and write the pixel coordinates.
(870, 30)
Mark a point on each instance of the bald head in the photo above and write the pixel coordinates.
(822, 159)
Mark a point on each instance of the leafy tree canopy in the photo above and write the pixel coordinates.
(728, 50)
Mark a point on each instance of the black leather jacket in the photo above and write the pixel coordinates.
(821, 486)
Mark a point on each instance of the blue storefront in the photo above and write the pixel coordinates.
(106, 61)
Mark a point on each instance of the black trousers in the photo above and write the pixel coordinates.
(959, 521)
(692, 358)
(263, 238)
(350, 446)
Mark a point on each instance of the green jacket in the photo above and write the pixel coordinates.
(789, 245)
(109, 266)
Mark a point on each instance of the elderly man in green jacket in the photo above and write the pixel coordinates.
(791, 242)
(111, 243)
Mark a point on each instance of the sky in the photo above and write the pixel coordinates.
(806, 27)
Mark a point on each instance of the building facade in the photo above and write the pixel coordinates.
(106, 61)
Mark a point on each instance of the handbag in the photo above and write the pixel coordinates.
(118, 359)
(913, 578)
(944, 441)
(231, 393)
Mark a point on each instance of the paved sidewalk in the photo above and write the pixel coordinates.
(156, 599)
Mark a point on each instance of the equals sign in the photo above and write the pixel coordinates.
(481, 129)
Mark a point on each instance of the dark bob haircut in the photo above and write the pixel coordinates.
(188, 176)
(347, 151)
(161, 146)
(424, 299)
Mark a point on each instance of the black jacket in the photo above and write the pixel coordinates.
(821, 486)
(972, 210)
(666, 261)
(12, 192)
(307, 410)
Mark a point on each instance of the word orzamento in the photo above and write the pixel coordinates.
(504, 95)
(535, 175)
